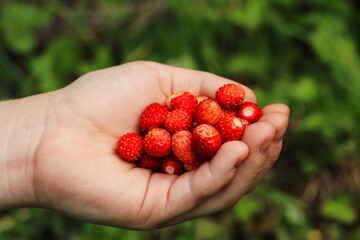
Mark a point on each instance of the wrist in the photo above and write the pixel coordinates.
(22, 123)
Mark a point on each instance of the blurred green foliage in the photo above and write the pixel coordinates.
(301, 53)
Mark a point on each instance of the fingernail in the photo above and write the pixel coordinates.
(265, 146)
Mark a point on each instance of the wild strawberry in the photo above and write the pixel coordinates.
(153, 117)
(201, 98)
(230, 96)
(208, 112)
(206, 140)
(157, 142)
(185, 101)
(130, 147)
(177, 120)
(230, 128)
(226, 113)
(169, 98)
(249, 111)
(172, 165)
(181, 146)
(150, 162)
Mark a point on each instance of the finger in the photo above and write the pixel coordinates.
(277, 107)
(272, 154)
(196, 186)
(273, 151)
(257, 137)
(198, 83)
(280, 122)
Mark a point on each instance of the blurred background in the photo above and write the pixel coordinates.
(304, 53)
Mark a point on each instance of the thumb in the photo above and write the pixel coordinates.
(194, 187)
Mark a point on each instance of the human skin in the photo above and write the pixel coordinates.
(57, 151)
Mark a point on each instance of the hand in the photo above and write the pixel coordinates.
(77, 171)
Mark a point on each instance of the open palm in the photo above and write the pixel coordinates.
(78, 172)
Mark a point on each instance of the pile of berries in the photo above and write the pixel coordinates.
(187, 131)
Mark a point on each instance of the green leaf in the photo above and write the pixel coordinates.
(305, 90)
(356, 234)
(291, 208)
(102, 59)
(251, 14)
(20, 22)
(336, 47)
(246, 208)
(207, 229)
(184, 61)
(314, 121)
(52, 67)
(339, 208)
(249, 63)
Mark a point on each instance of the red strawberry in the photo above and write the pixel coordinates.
(153, 117)
(169, 98)
(185, 101)
(208, 112)
(226, 113)
(230, 128)
(130, 147)
(172, 165)
(153, 163)
(157, 142)
(230, 96)
(177, 120)
(249, 111)
(181, 146)
(206, 140)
